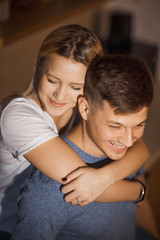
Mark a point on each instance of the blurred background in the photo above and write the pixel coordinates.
(125, 26)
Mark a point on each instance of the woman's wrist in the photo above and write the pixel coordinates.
(107, 175)
(143, 191)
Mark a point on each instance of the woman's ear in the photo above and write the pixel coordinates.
(83, 107)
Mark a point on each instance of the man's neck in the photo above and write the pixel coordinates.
(80, 138)
(75, 135)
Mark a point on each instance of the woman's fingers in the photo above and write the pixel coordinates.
(84, 203)
(71, 197)
(73, 175)
(68, 188)
(81, 203)
(72, 181)
(85, 183)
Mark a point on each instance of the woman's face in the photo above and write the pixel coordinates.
(62, 82)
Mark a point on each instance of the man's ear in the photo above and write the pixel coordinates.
(83, 107)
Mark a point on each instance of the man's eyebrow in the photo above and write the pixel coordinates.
(143, 122)
(115, 123)
(120, 124)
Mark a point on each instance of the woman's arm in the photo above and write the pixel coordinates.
(91, 183)
(123, 190)
(120, 191)
(86, 183)
(55, 158)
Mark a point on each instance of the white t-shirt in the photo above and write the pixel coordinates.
(24, 126)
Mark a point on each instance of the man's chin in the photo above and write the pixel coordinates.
(117, 155)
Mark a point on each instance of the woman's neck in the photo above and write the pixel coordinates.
(60, 121)
(63, 120)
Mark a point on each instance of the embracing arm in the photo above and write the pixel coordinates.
(92, 182)
(124, 190)
(66, 161)
(55, 158)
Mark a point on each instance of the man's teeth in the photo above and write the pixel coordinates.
(117, 146)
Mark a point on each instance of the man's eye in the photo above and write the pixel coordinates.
(114, 126)
(141, 125)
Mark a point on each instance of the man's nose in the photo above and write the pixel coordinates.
(128, 137)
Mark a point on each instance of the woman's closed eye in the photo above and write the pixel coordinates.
(51, 81)
(77, 87)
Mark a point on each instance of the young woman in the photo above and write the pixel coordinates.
(32, 120)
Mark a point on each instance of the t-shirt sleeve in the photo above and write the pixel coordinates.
(24, 127)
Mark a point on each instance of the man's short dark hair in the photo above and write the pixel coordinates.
(124, 81)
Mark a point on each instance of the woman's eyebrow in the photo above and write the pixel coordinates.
(75, 83)
(52, 76)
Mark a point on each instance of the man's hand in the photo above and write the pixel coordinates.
(84, 185)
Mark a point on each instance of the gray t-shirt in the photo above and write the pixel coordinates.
(43, 214)
(23, 126)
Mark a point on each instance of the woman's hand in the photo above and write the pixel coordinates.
(85, 184)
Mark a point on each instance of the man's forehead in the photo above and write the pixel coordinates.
(130, 119)
(107, 114)
(116, 109)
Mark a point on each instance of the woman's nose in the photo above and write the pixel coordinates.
(60, 93)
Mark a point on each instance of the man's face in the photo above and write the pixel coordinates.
(112, 134)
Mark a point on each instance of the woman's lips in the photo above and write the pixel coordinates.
(57, 104)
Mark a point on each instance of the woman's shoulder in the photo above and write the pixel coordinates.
(24, 111)
(23, 121)
(21, 106)
(22, 102)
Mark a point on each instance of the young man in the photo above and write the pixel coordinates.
(117, 95)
